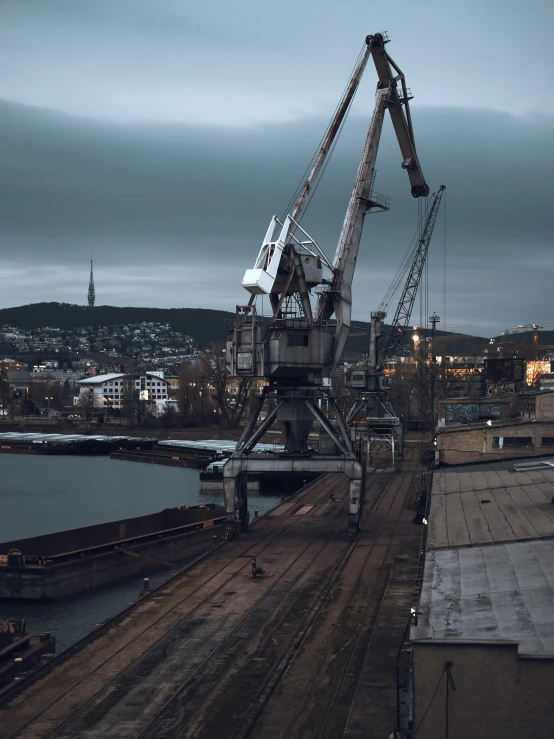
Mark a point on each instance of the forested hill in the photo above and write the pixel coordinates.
(207, 327)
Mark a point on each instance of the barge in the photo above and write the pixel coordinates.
(19, 651)
(57, 565)
(94, 444)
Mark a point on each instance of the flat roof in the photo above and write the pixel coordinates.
(495, 505)
(489, 564)
(95, 379)
(505, 592)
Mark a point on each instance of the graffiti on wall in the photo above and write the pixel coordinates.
(471, 412)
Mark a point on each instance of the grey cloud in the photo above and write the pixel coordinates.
(249, 61)
(190, 204)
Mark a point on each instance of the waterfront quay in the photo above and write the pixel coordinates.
(308, 650)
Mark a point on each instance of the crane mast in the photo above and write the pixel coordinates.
(295, 349)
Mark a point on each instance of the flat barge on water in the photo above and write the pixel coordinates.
(56, 565)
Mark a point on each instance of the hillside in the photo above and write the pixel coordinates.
(206, 326)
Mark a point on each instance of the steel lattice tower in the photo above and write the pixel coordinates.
(91, 293)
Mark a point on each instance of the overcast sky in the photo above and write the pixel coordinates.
(162, 135)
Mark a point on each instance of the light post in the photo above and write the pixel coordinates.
(415, 339)
(49, 399)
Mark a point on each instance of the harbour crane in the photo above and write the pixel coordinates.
(366, 378)
(405, 305)
(296, 348)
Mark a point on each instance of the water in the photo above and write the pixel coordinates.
(43, 494)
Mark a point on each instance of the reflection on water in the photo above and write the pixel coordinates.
(42, 494)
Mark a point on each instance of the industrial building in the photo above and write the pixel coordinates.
(483, 639)
(495, 428)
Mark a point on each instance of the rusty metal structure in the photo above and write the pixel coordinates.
(305, 336)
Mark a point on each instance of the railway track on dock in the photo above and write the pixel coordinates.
(206, 573)
(221, 654)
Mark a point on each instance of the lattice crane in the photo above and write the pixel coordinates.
(403, 313)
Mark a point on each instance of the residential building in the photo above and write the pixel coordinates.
(109, 390)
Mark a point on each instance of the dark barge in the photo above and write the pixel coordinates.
(57, 565)
(94, 444)
(19, 651)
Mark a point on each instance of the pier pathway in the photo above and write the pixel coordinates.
(309, 650)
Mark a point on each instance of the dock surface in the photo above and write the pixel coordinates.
(309, 650)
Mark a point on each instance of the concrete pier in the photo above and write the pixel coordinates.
(307, 650)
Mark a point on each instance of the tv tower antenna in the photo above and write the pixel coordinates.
(91, 293)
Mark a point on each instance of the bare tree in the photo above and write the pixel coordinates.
(215, 373)
(190, 389)
(87, 403)
(47, 393)
(5, 390)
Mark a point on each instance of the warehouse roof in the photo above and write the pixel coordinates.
(495, 505)
(502, 592)
(489, 565)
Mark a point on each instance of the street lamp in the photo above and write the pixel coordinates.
(415, 339)
(49, 398)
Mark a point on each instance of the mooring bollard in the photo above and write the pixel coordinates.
(18, 662)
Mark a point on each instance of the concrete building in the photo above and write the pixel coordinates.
(173, 384)
(19, 379)
(508, 426)
(12, 364)
(483, 645)
(56, 375)
(108, 390)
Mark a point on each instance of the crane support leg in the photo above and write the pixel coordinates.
(295, 415)
(356, 500)
(236, 503)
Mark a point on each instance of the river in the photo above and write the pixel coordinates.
(43, 494)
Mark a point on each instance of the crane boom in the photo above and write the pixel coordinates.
(401, 320)
(261, 279)
(338, 298)
(399, 110)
